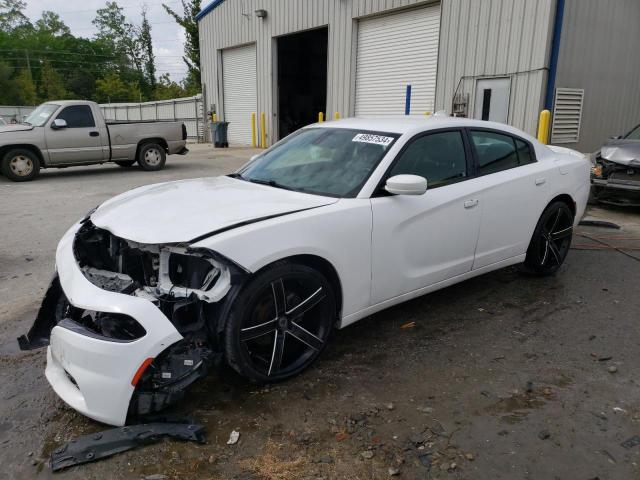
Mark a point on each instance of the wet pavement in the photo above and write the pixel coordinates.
(504, 376)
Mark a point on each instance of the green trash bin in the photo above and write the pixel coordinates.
(219, 134)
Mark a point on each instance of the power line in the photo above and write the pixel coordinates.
(64, 52)
(131, 7)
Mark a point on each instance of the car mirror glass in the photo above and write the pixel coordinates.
(406, 185)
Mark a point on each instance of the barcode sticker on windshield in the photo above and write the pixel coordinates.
(369, 138)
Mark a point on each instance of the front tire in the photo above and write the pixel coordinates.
(20, 165)
(152, 157)
(279, 323)
(551, 240)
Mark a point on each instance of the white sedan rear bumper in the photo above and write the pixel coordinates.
(92, 375)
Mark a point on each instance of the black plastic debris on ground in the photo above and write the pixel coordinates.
(599, 223)
(95, 446)
(631, 442)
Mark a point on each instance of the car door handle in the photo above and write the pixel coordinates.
(94, 134)
(540, 181)
(470, 203)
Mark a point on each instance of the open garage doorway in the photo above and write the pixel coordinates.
(302, 79)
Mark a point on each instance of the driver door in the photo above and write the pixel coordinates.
(79, 142)
(420, 240)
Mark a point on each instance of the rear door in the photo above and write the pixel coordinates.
(513, 186)
(424, 239)
(79, 142)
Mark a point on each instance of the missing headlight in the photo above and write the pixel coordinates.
(190, 271)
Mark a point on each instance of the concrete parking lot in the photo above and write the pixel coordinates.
(505, 376)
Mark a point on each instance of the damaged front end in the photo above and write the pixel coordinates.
(186, 284)
(615, 175)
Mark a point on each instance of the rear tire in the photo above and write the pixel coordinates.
(125, 163)
(551, 240)
(152, 157)
(279, 323)
(20, 165)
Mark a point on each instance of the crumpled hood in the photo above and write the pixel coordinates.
(16, 127)
(181, 211)
(624, 152)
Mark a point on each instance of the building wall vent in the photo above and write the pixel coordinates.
(567, 115)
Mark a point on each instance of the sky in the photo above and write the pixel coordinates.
(168, 37)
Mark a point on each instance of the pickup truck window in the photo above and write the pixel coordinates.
(78, 116)
(40, 115)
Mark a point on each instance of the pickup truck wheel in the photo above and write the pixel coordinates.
(20, 165)
(152, 157)
(125, 163)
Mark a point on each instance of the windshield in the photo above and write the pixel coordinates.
(40, 115)
(634, 134)
(325, 161)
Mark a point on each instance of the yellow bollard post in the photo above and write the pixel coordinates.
(263, 130)
(253, 130)
(543, 126)
(214, 117)
(336, 116)
(321, 117)
(427, 114)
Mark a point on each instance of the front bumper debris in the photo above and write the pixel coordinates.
(95, 446)
(129, 326)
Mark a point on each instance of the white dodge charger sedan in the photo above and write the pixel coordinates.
(335, 222)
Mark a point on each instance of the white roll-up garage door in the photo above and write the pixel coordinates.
(394, 51)
(239, 92)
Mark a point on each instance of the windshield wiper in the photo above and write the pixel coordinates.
(271, 183)
(236, 175)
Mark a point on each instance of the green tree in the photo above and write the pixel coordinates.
(51, 23)
(111, 89)
(192, 46)
(12, 16)
(147, 51)
(7, 85)
(52, 83)
(26, 89)
(168, 89)
(114, 29)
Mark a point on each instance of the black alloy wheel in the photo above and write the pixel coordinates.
(551, 240)
(280, 323)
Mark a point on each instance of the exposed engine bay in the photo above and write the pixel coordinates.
(186, 285)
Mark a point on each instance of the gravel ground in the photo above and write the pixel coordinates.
(504, 376)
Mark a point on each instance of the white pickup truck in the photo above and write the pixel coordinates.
(69, 133)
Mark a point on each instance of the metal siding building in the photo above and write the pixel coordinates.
(496, 38)
(471, 45)
(599, 54)
(493, 60)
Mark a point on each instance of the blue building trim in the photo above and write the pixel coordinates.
(555, 52)
(208, 9)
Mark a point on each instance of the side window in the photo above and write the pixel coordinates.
(438, 157)
(497, 152)
(78, 116)
(524, 152)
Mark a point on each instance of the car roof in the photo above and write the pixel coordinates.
(416, 124)
(63, 103)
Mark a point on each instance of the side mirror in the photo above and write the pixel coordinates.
(58, 124)
(406, 185)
